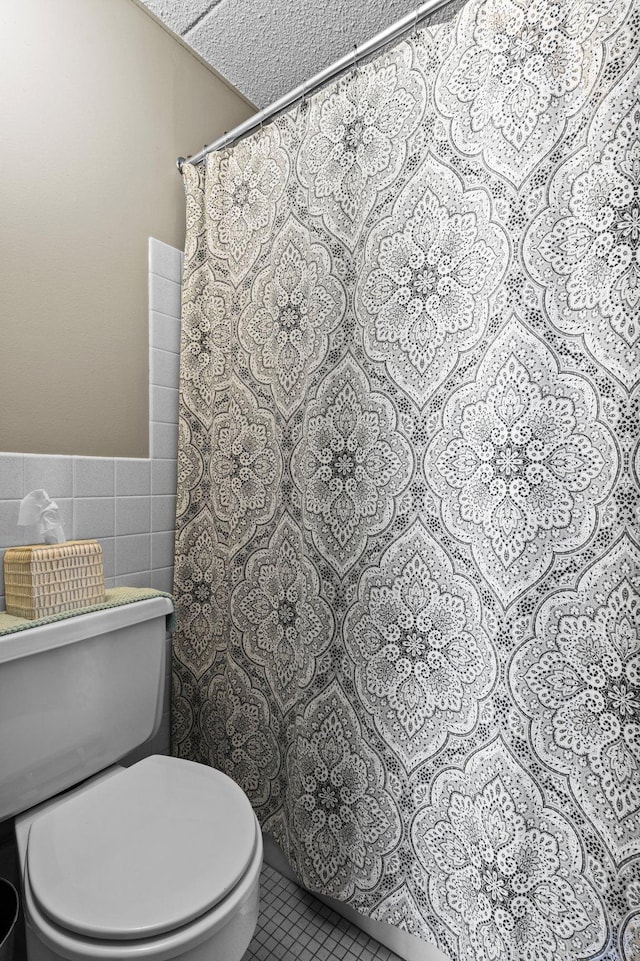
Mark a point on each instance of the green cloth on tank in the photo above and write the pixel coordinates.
(115, 597)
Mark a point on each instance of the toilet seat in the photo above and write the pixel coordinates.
(141, 854)
(236, 914)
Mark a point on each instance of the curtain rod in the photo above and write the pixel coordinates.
(304, 89)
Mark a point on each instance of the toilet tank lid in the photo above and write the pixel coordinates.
(143, 852)
(47, 637)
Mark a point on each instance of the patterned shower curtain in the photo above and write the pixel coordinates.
(408, 537)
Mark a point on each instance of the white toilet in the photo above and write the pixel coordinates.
(158, 860)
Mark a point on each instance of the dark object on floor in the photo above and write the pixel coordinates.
(9, 904)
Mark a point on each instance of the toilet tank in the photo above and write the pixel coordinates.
(77, 695)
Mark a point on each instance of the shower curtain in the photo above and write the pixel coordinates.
(408, 535)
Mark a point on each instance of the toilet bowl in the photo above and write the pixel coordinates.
(154, 861)
(160, 860)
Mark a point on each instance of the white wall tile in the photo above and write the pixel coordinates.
(10, 534)
(133, 515)
(133, 553)
(163, 476)
(164, 332)
(163, 513)
(94, 517)
(164, 441)
(164, 296)
(133, 477)
(164, 368)
(162, 580)
(137, 579)
(108, 545)
(49, 472)
(93, 477)
(11, 476)
(162, 549)
(164, 260)
(164, 405)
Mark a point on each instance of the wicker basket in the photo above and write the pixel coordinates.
(44, 579)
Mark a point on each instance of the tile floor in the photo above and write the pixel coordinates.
(295, 926)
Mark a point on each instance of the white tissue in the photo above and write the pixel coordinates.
(38, 508)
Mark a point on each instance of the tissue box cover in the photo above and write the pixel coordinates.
(44, 579)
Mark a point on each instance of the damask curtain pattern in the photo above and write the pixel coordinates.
(408, 536)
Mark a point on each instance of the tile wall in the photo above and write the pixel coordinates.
(127, 504)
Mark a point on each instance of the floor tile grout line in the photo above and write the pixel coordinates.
(315, 924)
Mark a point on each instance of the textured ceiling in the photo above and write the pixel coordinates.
(265, 49)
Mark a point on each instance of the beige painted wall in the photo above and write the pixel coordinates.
(97, 101)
